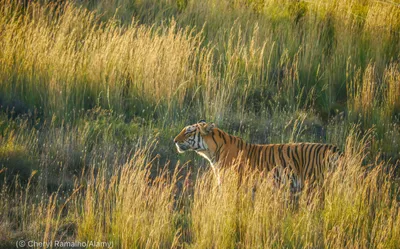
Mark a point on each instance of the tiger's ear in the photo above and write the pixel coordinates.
(201, 121)
(206, 128)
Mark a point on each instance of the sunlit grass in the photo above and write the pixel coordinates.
(93, 92)
(355, 206)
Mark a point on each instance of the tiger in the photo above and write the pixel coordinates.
(304, 161)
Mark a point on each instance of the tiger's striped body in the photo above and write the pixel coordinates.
(303, 161)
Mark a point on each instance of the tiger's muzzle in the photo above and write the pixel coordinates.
(181, 147)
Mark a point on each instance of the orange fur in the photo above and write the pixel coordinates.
(304, 160)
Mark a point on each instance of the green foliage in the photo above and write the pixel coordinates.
(15, 160)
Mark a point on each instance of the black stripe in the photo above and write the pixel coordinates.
(253, 154)
(257, 155)
(296, 147)
(212, 136)
(273, 156)
(301, 158)
(189, 132)
(281, 157)
(290, 156)
(324, 151)
(251, 147)
(216, 144)
(218, 152)
(288, 151)
(265, 157)
(222, 136)
(202, 142)
(304, 160)
(311, 159)
(270, 162)
(198, 139)
(318, 162)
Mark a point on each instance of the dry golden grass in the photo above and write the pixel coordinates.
(392, 96)
(362, 97)
(354, 207)
(86, 82)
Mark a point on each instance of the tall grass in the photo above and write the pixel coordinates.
(127, 207)
(67, 59)
(85, 85)
(355, 207)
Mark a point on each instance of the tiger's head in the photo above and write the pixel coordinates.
(194, 137)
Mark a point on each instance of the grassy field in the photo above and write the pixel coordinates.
(92, 94)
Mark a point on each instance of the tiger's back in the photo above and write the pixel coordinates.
(305, 161)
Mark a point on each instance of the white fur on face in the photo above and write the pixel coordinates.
(193, 140)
